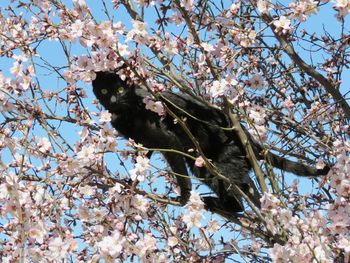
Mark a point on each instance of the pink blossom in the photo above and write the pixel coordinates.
(256, 81)
(59, 248)
(86, 153)
(283, 25)
(172, 241)
(77, 29)
(155, 106)
(111, 246)
(288, 103)
(87, 190)
(195, 202)
(44, 145)
(105, 34)
(141, 167)
(264, 6)
(243, 38)
(187, 4)
(218, 88)
(303, 9)
(85, 63)
(199, 162)
(341, 3)
(38, 232)
(207, 47)
(145, 246)
(17, 68)
(108, 140)
(320, 164)
(142, 164)
(83, 213)
(105, 117)
(257, 117)
(279, 253)
(79, 2)
(123, 49)
(344, 243)
(343, 7)
(194, 208)
(213, 226)
(140, 203)
(138, 33)
(269, 202)
(193, 218)
(137, 175)
(171, 47)
(142, 3)
(234, 8)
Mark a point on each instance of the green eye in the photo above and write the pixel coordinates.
(120, 90)
(104, 91)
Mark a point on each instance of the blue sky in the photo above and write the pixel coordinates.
(52, 51)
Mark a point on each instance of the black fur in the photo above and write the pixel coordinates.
(133, 120)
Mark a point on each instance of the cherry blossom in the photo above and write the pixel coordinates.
(138, 33)
(283, 25)
(256, 81)
(123, 50)
(172, 241)
(140, 203)
(193, 218)
(263, 6)
(342, 6)
(141, 168)
(303, 9)
(155, 106)
(218, 88)
(111, 246)
(44, 145)
(72, 189)
(187, 4)
(145, 246)
(105, 117)
(86, 154)
(199, 162)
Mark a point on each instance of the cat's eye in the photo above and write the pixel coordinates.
(104, 91)
(120, 90)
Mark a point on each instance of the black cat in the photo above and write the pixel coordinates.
(224, 148)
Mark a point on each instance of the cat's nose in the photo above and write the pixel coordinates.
(113, 99)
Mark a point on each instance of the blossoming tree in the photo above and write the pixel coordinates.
(71, 191)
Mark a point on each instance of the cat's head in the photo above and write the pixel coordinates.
(112, 92)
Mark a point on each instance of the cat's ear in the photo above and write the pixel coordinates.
(102, 76)
(108, 81)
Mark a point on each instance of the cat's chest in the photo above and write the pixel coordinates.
(134, 122)
(125, 112)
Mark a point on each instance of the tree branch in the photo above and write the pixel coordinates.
(288, 48)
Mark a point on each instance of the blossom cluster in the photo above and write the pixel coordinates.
(315, 235)
(71, 190)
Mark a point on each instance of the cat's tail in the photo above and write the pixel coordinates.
(284, 164)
